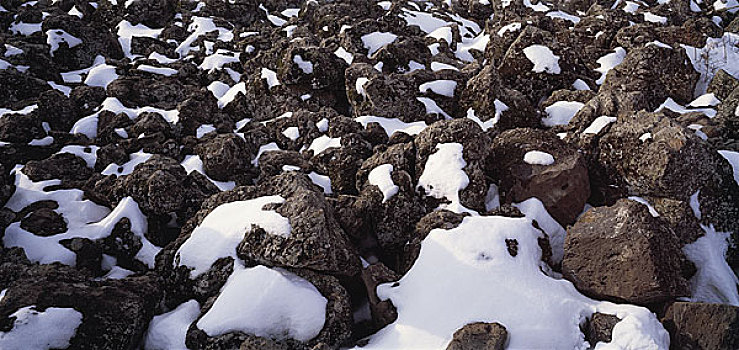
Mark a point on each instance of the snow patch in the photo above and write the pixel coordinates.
(393, 125)
(609, 61)
(376, 40)
(543, 58)
(561, 112)
(598, 124)
(52, 328)
(224, 228)
(439, 87)
(538, 158)
(381, 177)
(465, 273)
(168, 330)
(270, 303)
(323, 143)
(443, 175)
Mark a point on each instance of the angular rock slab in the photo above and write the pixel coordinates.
(623, 253)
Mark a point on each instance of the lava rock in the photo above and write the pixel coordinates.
(672, 162)
(226, 157)
(624, 253)
(63, 166)
(563, 187)
(702, 326)
(156, 185)
(115, 312)
(44, 222)
(479, 335)
(152, 13)
(599, 328)
(383, 311)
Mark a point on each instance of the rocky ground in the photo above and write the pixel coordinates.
(323, 174)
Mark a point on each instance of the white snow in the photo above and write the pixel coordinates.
(439, 87)
(468, 275)
(167, 331)
(48, 140)
(650, 17)
(432, 107)
(376, 40)
(543, 58)
(292, 133)
(231, 94)
(561, 112)
(534, 209)
(442, 33)
(500, 107)
(198, 27)
(705, 100)
(731, 6)
(359, 85)
(157, 70)
(270, 303)
(305, 66)
(344, 55)
(478, 43)
(381, 176)
(270, 76)
(292, 12)
(219, 59)
(443, 175)
(438, 66)
(116, 272)
(101, 75)
(609, 61)
(641, 200)
(659, 44)
(733, 158)
(66, 90)
(510, 27)
(75, 12)
(393, 125)
(88, 125)
(580, 84)
(323, 143)
(714, 282)
(161, 58)
(24, 110)
(264, 148)
(90, 158)
(630, 7)
(676, 107)
(321, 180)
(224, 228)
(54, 37)
(194, 163)
(84, 218)
(322, 125)
(126, 31)
(135, 159)
(538, 158)
(718, 53)
(538, 7)
(492, 198)
(52, 328)
(564, 15)
(204, 129)
(25, 29)
(598, 124)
